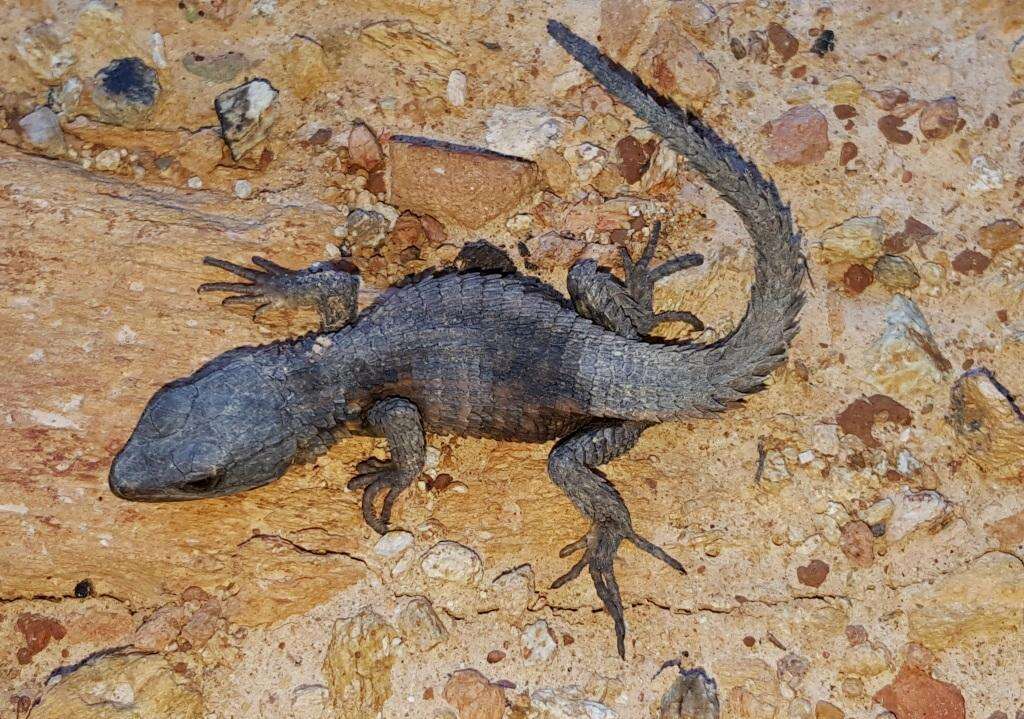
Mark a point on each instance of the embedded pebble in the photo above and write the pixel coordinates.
(126, 91)
(857, 543)
(798, 137)
(108, 160)
(693, 695)
(473, 696)
(246, 114)
(393, 543)
(514, 590)
(41, 129)
(858, 238)
(45, 52)
(970, 262)
(782, 41)
(521, 131)
(452, 562)
(939, 118)
(813, 573)
(420, 624)
(914, 510)
(363, 148)
(243, 189)
(896, 272)
(456, 89)
(538, 642)
(891, 128)
(915, 694)
(568, 703)
(1001, 235)
(857, 278)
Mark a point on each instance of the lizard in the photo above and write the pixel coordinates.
(481, 350)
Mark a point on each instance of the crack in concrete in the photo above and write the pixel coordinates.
(303, 549)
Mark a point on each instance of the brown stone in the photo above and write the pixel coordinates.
(455, 184)
(857, 278)
(914, 232)
(634, 158)
(890, 125)
(913, 694)
(857, 543)
(813, 573)
(798, 137)
(847, 153)
(844, 112)
(38, 631)
(969, 262)
(473, 696)
(363, 148)
(1001, 235)
(889, 98)
(939, 118)
(782, 41)
(860, 416)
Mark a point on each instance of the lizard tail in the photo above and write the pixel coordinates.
(696, 380)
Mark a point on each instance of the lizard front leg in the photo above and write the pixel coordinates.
(329, 287)
(627, 308)
(572, 465)
(398, 421)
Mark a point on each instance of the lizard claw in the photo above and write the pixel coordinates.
(265, 288)
(641, 277)
(374, 477)
(600, 546)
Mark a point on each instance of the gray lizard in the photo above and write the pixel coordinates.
(480, 350)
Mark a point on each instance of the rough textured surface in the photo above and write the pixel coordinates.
(99, 309)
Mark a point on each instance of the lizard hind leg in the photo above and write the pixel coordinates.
(627, 308)
(572, 466)
(398, 421)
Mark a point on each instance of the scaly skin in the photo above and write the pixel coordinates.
(482, 351)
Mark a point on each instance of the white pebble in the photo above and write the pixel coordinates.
(243, 189)
(452, 562)
(126, 335)
(393, 543)
(195, 183)
(457, 88)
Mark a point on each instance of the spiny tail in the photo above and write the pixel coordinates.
(707, 378)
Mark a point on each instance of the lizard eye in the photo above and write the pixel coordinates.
(203, 484)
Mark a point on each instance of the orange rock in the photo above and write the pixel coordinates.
(467, 186)
(363, 149)
(913, 694)
(473, 696)
(798, 137)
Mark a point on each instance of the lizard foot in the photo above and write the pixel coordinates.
(376, 476)
(641, 277)
(328, 286)
(600, 546)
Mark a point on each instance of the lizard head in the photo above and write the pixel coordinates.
(232, 425)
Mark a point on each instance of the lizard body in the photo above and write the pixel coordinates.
(479, 350)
